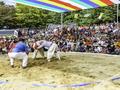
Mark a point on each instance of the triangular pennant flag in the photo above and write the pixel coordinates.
(76, 16)
(100, 16)
(87, 15)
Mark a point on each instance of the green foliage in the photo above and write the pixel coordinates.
(30, 16)
(7, 14)
(108, 16)
(26, 16)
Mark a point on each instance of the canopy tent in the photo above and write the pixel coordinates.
(66, 5)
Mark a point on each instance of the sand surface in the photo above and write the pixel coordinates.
(74, 70)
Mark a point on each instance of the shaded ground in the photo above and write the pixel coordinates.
(74, 68)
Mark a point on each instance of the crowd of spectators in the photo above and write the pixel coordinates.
(103, 38)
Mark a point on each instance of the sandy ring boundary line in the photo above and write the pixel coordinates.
(70, 85)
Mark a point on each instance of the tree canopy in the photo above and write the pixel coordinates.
(7, 15)
(26, 16)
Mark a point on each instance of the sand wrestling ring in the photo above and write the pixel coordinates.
(76, 71)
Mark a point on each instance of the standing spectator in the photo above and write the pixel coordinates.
(19, 33)
(16, 33)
